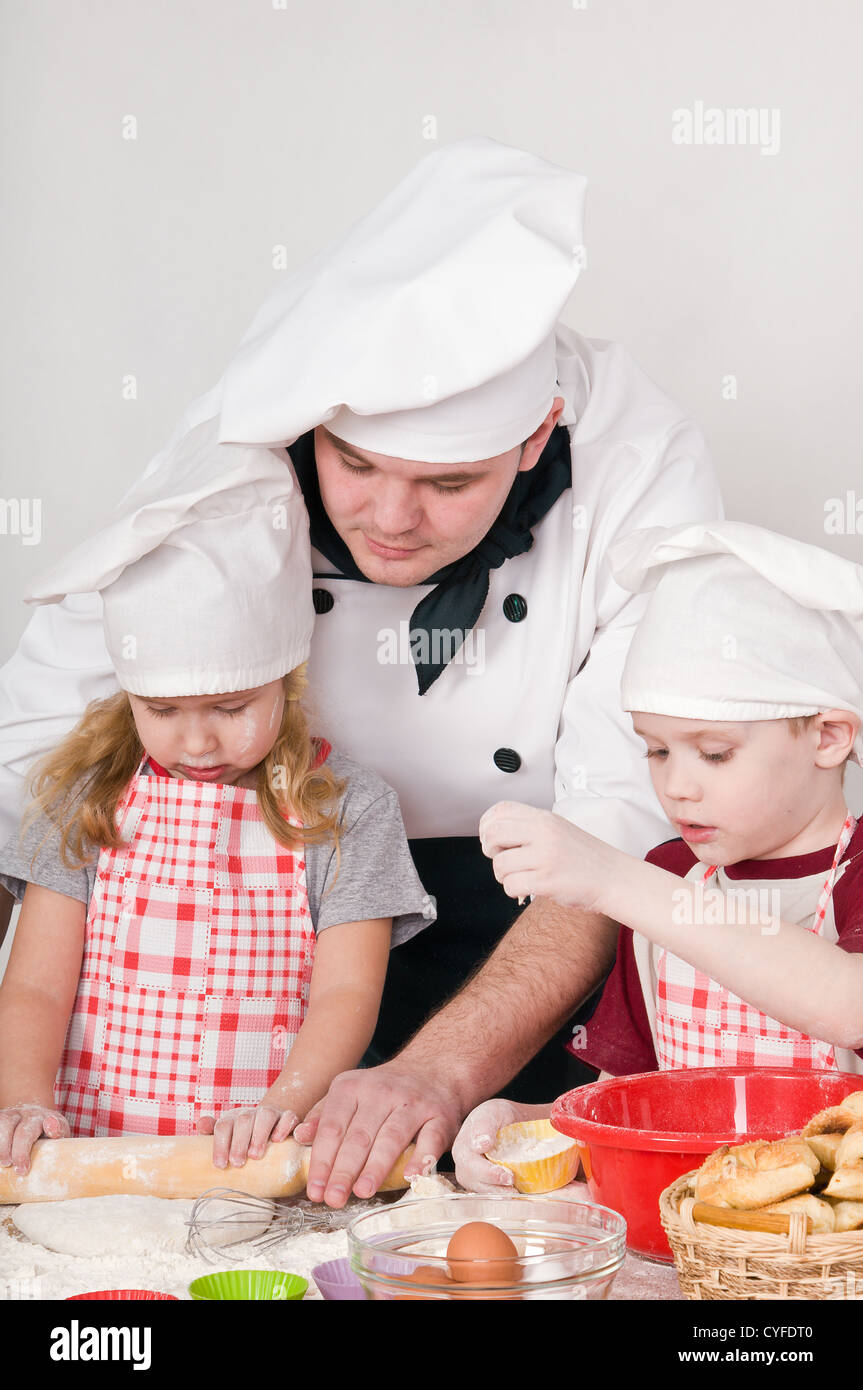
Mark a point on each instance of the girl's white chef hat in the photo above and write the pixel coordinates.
(428, 331)
(206, 586)
(742, 624)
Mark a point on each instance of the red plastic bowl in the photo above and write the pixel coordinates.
(638, 1133)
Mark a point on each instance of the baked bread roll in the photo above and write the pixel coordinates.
(822, 1216)
(848, 1215)
(835, 1135)
(748, 1176)
(824, 1147)
(854, 1104)
(850, 1150)
(846, 1183)
(835, 1120)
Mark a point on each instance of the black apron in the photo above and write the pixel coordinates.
(473, 910)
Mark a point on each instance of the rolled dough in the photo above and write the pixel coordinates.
(124, 1225)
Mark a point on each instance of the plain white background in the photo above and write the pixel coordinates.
(262, 124)
(132, 266)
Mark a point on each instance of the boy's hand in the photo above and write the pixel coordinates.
(540, 855)
(21, 1126)
(245, 1131)
(473, 1141)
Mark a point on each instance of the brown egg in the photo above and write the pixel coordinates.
(423, 1274)
(480, 1253)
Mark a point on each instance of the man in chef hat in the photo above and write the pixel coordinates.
(466, 461)
(745, 681)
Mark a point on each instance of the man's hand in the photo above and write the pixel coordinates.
(550, 960)
(366, 1121)
(538, 854)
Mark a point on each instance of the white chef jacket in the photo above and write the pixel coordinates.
(530, 711)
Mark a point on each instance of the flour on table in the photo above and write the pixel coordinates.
(428, 1185)
(121, 1225)
(30, 1271)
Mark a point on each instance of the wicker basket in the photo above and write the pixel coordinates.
(714, 1262)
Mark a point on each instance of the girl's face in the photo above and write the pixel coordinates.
(749, 790)
(211, 738)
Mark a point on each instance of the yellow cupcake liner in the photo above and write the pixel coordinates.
(538, 1174)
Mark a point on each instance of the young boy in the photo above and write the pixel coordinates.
(743, 943)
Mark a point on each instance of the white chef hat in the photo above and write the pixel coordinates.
(428, 331)
(742, 624)
(206, 585)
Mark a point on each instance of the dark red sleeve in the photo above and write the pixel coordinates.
(618, 1034)
(848, 900)
(619, 1040)
(848, 896)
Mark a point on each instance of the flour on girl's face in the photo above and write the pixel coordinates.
(250, 729)
(252, 726)
(276, 713)
(229, 733)
(189, 760)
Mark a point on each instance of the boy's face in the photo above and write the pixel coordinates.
(210, 738)
(738, 790)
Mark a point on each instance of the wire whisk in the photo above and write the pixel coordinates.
(222, 1217)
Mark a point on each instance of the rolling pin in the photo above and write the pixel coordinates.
(159, 1167)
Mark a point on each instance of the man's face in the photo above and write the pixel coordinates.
(403, 520)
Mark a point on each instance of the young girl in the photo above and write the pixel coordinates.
(209, 895)
(744, 937)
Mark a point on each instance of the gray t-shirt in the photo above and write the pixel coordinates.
(376, 876)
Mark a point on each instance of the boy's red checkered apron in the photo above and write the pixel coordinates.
(701, 1024)
(197, 962)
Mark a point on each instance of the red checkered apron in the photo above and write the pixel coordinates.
(197, 963)
(699, 1023)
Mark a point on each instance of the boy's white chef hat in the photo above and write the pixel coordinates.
(742, 624)
(207, 586)
(428, 331)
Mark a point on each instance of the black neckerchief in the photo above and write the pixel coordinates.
(461, 588)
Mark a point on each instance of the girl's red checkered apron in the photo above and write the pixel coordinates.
(701, 1024)
(197, 963)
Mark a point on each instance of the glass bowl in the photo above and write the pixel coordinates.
(567, 1250)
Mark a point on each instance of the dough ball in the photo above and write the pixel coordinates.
(123, 1225)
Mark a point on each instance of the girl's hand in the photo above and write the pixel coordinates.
(245, 1131)
(21, 1126)
(538, 854)
(476, 1136)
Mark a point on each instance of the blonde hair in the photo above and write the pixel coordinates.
(79, 785)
